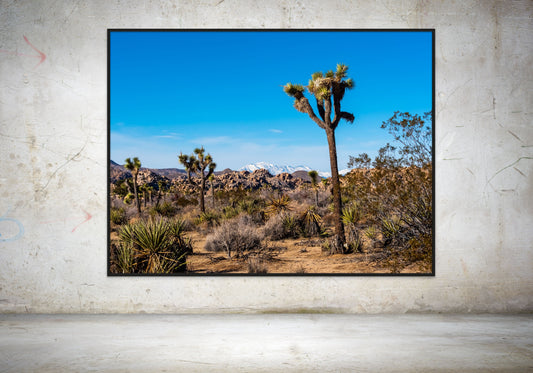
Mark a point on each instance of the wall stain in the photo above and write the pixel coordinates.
(20, 232)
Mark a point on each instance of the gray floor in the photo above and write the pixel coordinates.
(266, 343)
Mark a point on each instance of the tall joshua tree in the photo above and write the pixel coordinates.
(328, 90)
(204, 162)
(191, 164)
(134, 167)
(314, 183)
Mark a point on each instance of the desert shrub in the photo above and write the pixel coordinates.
(229, 212)
(280, 226)
(395, 189)
(291, 226)
(157, 246)
(237, 236)
(257, 265)
(371, 232)
(310, 221)
(117, 215)
(182, 201)
(209, 218)
(165, 209)
(274, 229)
(300, 269)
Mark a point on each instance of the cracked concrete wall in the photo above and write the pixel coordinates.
(53, 149)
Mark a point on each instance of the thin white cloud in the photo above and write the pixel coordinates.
(167, 137)
(275, 130)
(213, 140)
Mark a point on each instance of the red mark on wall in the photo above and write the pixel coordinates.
(41, 55)
(87, 218)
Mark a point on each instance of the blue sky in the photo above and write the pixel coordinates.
(174, 91)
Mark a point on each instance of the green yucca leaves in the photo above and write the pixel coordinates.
(341, 71)
(316, 75)
(349, 83)
(154, 246)
(293, 89)
(278, 205)
(351, 215)
(390, 227)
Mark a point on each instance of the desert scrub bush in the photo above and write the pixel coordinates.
(158, 246)
(117, 216)
(229, 212)
(237, 236)
(280, 226)
(165, 209)
(209, 218)
(256, 265)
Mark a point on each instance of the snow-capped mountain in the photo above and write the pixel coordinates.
(275, 169)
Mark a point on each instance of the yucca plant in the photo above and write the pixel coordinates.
(311, 221)
(350, 217)
(390, 227)
(211, 218)
(371, 232)
(278, 205)
(291, 226)
(125, 257)
(158, 245)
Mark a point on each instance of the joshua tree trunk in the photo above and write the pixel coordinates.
(202, 189)
(213, 194)
(136, 193)
(336, 190)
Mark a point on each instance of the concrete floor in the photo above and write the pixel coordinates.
(266, 343)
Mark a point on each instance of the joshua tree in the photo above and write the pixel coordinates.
(161, 184)
(328, 90)
(134, 167)
(314, 183)
(203, 162)
(190, 163)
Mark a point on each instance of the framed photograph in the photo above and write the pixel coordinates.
(271, 152)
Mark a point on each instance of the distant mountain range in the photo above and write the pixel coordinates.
(172, 173)
(275, 169)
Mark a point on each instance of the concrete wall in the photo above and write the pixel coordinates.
(53, 159)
